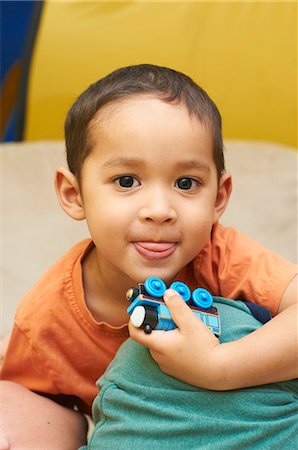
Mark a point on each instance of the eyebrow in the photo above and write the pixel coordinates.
(123, 162)
(115, 162)
(193, 164)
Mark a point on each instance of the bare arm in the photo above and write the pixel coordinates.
(192, 354)
(31, 421)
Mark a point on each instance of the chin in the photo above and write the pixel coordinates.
(163, 274)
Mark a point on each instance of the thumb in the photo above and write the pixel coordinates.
(180, 312)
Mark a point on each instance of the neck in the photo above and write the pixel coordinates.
(105, 292)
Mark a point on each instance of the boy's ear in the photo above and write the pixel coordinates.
(68, 193)
(223, 195)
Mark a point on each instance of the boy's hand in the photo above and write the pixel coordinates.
(192, 353)
(188, 352)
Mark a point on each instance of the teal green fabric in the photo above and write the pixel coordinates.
(139, 405)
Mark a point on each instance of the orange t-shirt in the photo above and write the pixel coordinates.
(59, 350)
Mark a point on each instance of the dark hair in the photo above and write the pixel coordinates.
(164, 83)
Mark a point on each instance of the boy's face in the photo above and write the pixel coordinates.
(149, 189)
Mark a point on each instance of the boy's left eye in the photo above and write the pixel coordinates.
(186, 183)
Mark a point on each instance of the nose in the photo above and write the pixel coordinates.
(158, 208)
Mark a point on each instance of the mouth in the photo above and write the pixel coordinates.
(155, 250)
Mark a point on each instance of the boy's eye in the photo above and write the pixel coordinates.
(186, 183)
(127, 181)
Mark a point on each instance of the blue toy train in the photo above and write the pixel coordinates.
(149, 312)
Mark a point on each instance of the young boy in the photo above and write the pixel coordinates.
(146, 170)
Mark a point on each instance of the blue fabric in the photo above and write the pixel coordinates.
(15, 18)
(139, 405)
(19, 22)
(259, 312)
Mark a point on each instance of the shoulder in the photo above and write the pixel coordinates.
(54, 286)
(237, 266)
(224, 236)
(228, 242)
(230, 248)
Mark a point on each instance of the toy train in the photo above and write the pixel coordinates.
(149, 312)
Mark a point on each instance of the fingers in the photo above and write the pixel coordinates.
(180, 312)
(184, 317)
(151, 341)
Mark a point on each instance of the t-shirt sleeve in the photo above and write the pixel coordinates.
(23, 365)
(233, 265)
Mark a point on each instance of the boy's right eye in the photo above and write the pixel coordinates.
(127, 181)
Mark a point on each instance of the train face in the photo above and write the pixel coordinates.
(149, 312)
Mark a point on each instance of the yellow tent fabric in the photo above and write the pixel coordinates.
(244, 54)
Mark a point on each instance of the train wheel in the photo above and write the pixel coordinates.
(182, 289)
(155, 287)
(202, 298)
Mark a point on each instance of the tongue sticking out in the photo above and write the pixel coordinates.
(156, 246)
(155, 249)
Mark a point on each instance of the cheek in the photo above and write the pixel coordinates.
(198, 215)
(197, 227)
(107, 218)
